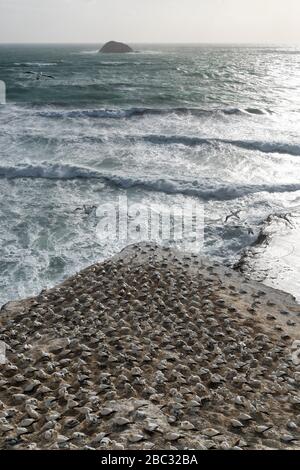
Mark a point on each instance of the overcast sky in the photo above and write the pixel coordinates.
(133, 21)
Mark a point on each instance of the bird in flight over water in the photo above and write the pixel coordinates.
(40, 75)
(234, 215)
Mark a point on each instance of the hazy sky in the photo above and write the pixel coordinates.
(178, 21)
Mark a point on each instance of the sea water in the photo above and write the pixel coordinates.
(166, 125)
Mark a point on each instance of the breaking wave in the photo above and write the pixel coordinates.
(90, 52)
(261, 146)
(140, 112)
(35, 64)
(206, 189)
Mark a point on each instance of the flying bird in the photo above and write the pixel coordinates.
(234, 215)
(40, 75)
(243, 225)
(88, 210)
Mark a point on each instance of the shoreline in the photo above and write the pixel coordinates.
(239, 269)
(152, 349)
(274, 257)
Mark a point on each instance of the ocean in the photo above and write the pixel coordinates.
(217, 126)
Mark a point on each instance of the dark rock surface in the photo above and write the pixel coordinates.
(113, 47)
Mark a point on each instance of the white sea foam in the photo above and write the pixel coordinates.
(204, 187)
(222, 132)
(86, 52)
(275, 257)
(35, 64)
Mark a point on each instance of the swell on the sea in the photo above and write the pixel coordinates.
(206, 188)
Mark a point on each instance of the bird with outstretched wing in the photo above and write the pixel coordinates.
(40, 75)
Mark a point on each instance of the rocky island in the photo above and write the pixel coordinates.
(113, 47)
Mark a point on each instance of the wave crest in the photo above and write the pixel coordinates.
(261, 146)
(140, 112)
(205, 189)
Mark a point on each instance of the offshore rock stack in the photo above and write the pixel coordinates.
(153, 349)
(114, 47)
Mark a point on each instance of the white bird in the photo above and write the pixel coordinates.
(32, 413)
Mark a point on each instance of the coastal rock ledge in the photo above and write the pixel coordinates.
(113, 47)
(151, 349)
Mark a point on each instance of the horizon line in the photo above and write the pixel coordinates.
(263, 43)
